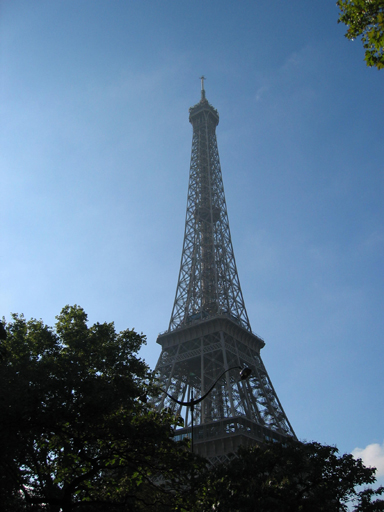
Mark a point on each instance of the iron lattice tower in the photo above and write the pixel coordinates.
(209, 330)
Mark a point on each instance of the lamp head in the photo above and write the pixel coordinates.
(245, 373)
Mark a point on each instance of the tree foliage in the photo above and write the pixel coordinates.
(74, 435)
(365, 18)
(290, 477)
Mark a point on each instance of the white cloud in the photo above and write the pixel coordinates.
(373, 456)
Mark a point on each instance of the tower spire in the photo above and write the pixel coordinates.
(202, 78)
(209, 331)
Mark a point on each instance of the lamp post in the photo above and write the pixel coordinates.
(244, 374)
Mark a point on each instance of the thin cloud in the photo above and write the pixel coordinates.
(373, 456)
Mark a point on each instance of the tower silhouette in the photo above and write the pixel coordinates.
(209, 331)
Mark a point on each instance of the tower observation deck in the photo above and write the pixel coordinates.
(209, 330)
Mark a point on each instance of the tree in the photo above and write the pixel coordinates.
(74, 434)
(290, 477)
(365, 18)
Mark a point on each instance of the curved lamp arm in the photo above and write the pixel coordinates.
(244, 374)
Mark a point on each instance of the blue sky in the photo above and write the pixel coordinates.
(95, 150)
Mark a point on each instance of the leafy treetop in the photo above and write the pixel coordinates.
(290, 477)
(74, 435)
(365, 18)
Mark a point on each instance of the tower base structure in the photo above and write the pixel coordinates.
(216, 442)
(236, 412)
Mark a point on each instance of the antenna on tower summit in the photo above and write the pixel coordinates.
(202, 78)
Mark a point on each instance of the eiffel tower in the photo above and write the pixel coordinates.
(209, 331)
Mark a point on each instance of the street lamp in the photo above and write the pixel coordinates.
(244, 374)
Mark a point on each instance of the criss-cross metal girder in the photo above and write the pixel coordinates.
(208, 282)
(209, 331)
